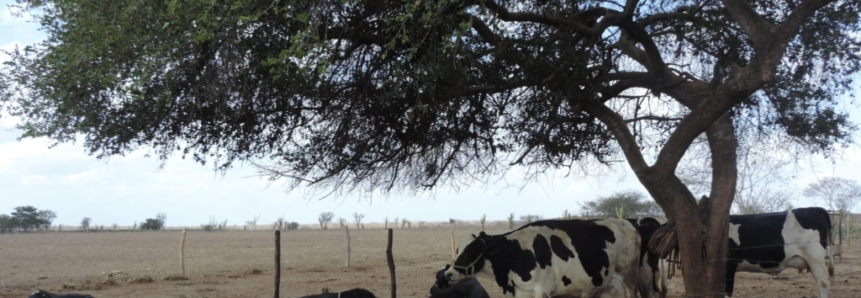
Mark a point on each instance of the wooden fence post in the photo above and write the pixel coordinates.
(347, 229)
(277, 263)
(182, 254)
(453, 255)
(391, 261)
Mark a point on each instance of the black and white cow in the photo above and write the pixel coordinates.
(354, 293)
(772, 242)
(44, 294)
(652, 283)
(556, 258)
(466, 288)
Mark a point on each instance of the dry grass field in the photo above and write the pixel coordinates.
(240, 264)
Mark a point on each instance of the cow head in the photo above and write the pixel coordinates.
(470, 260)
(441, 282)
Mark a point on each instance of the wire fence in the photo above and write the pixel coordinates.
(843, 270)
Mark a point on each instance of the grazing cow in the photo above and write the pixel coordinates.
(466, 288)
(581, 258)
(43, 294)
(354, 293)
(652, 283)
(771, 242)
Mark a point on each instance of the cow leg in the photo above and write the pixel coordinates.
(731, 266)
(820, 273)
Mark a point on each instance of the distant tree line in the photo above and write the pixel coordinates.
(26, 219)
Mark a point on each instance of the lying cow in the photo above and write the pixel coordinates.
(354, 293)
(44, 294)
(466, 288)
(651, 282)
(771, 242)
(556, 258)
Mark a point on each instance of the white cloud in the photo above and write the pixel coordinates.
(87, 177)
(34, 180)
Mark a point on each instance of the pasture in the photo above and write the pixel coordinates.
(240, 264)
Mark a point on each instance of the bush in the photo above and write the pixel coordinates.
(152, 224)
(293, 225)
(627, 204)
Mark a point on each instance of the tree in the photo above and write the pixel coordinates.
(634, 204)
(762, 184)
(6, 223)
(27, 218)
(162, 220)
(324, 219)
(358, 217)
(379, 95)
(483, 220)
(839, 194)
(342, 222)
(152, 224)
(85, 224)
(46, 217)
(530, 218)
(252, 223)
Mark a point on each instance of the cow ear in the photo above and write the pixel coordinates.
(473, 236)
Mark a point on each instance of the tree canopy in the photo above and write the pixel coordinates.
(839, 194)
(381, 94)
(632, 204)
(27, 218)
(388, 92)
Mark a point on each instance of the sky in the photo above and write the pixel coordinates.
(127, 189)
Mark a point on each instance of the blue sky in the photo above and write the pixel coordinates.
(125, 189)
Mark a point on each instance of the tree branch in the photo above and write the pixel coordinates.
(789, 28)
(617, 126)
(652, 117)
(576, 22)
(756, 27)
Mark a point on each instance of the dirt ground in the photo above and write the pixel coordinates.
(240, 264)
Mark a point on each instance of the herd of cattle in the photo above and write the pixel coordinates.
(611, 257)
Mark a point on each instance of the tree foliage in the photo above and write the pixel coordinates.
(358, 218)
(85, 223)
(839, 194)
(631, 204)
(26, 218)
(152, 224)
(387, 94)
(763, 159)
(325, 218)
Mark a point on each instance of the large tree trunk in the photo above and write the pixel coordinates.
(702, 230)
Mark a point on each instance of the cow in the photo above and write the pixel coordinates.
(771, 242)
(651, 282)
(44, 294)
(354, 293)
(556, 258)
(466, 288)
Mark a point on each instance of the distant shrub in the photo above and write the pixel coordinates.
(152, 224)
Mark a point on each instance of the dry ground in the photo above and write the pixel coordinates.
(222, 264)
